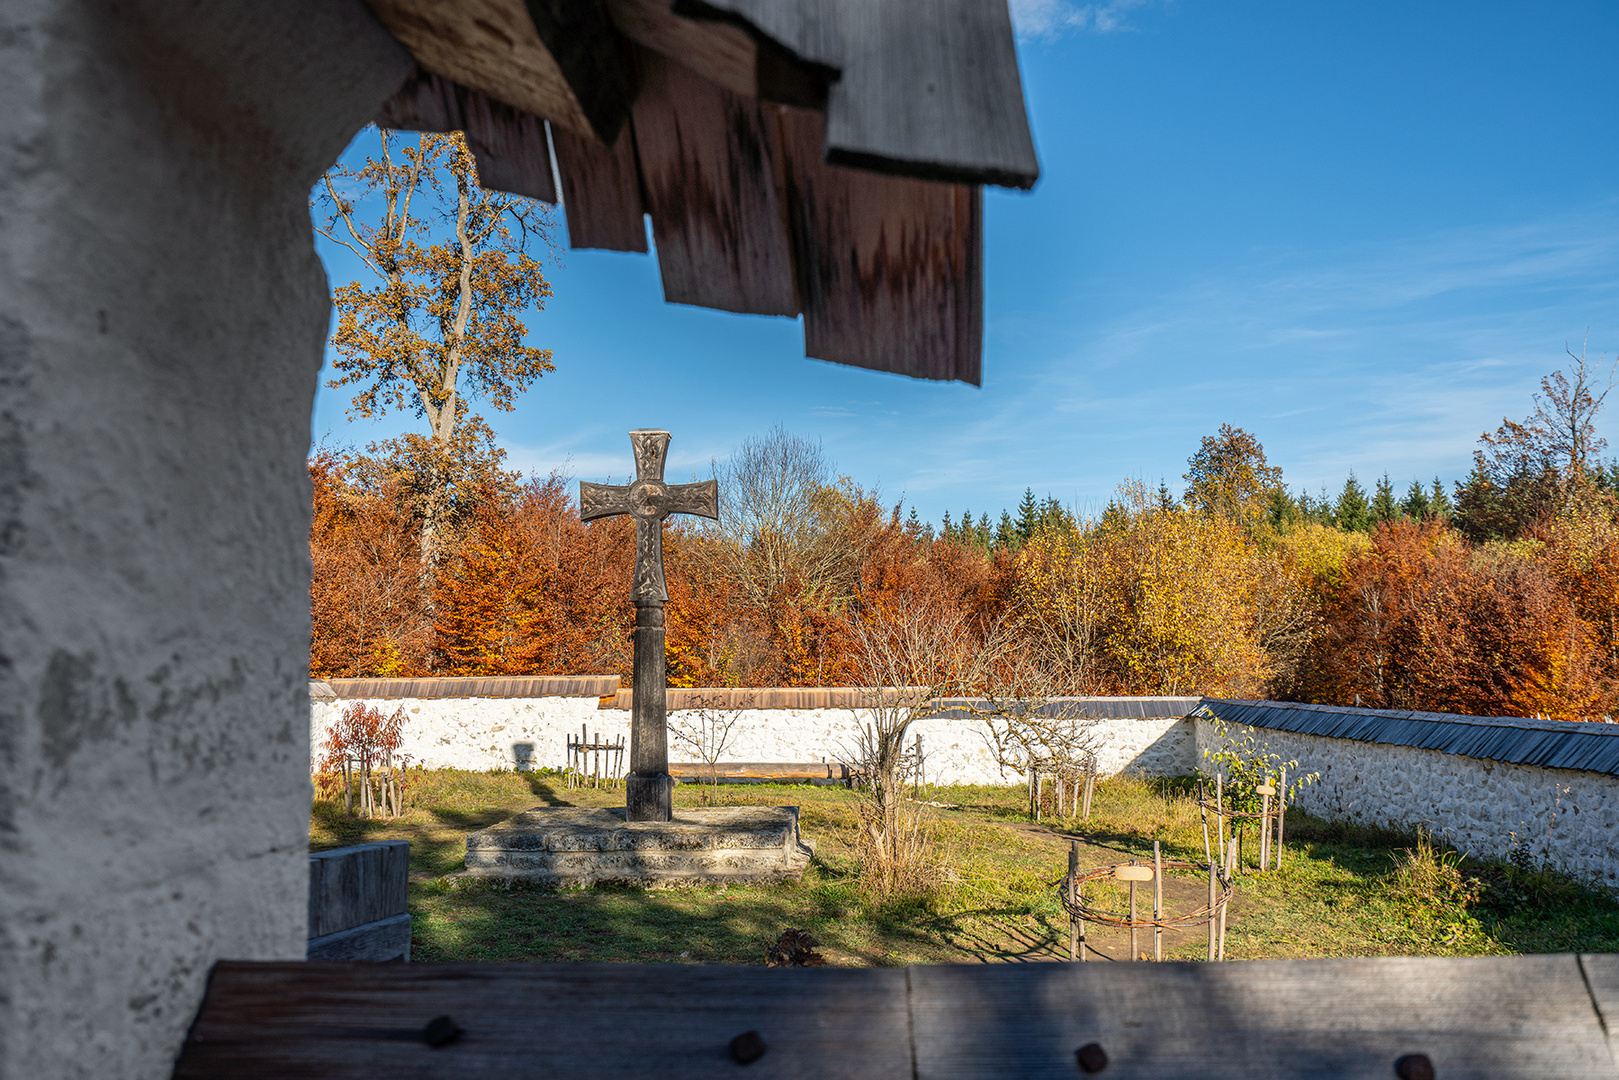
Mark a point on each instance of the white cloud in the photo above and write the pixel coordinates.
(1047, 19)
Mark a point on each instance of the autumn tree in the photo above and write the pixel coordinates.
(1525, 471)
(437, 321)
(1229, 475)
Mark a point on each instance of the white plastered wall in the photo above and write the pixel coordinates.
(503, 733)
(162, 320)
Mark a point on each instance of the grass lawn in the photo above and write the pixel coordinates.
(1343, 890)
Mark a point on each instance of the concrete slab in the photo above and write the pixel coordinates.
(571, 845)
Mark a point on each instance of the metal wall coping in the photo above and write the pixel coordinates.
(1590, 746)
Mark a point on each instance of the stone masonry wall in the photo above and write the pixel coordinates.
(1567, 817)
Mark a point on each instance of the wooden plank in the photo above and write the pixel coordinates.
(373, 942)
(487, 45)
(724, 55)
(601, 191)
(930, 89)
(1503, 1017)
(323, 1020)
(509, 145)
(354, 885)
(1601, 971)
(890, 269)
(708, 165)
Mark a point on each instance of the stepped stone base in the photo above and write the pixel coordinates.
(568, 845)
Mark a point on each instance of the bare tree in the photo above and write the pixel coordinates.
(1028, 724)
(774, 534)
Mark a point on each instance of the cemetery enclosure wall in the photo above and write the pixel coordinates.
(532, 732)
(1566, 817)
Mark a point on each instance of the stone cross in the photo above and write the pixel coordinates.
(647, 787)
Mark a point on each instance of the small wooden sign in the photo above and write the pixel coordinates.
(1133, 873)
(1265, 789)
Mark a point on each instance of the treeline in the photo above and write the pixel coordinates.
(1499, 597)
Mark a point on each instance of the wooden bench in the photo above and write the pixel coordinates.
(734, 771)
(357, 902)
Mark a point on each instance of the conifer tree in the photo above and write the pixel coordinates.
(1384, 508)
(1006, 532)
(1353, 512)
(1438, 503)
(984, 536)
(947, 531)
(1028, 516)
(1283, 513)
(1416, 505)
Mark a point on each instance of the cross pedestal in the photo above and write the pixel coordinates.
(649, 500)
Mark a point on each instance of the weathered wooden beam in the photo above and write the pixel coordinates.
(1499, 1017)
(373, 942)
(542, 1020)
(708, 165)
(351, 886)
(890, 269)
(1502, 1017)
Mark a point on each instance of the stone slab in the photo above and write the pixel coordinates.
(571, 845)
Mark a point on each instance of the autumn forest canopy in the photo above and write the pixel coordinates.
(1496, 595)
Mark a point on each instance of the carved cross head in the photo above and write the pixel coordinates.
(648, 500)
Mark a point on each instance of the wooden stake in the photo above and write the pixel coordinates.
(1264, 832)
(1075, 938)
(1203, 812)
(1219, 811)
(1231, 858)
(1157, 902)
(1132, 916)
(1281, 816)
(1090, 786)
(1057, 782)
(1212, 895)
(1034, 781)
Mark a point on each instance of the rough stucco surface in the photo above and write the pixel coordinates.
(1567, 817)
(162, 315)
(503, 733)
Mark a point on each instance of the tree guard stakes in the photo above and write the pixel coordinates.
(649, 500)
(1211, 914)
(1271, 815)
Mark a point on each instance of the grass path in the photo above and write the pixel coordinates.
(1344, 891)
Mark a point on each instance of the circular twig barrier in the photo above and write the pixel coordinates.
(1271, 818)
(1212, 913)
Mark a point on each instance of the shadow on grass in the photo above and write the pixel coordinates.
(544, 790)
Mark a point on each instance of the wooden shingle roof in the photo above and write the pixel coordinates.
(820, 158)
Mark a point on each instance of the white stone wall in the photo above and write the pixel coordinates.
(1567, 817)
(503, 733)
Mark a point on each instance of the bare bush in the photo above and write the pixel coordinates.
(706, 732)
(906, 660)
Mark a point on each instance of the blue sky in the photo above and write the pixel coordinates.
(1361, 232)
